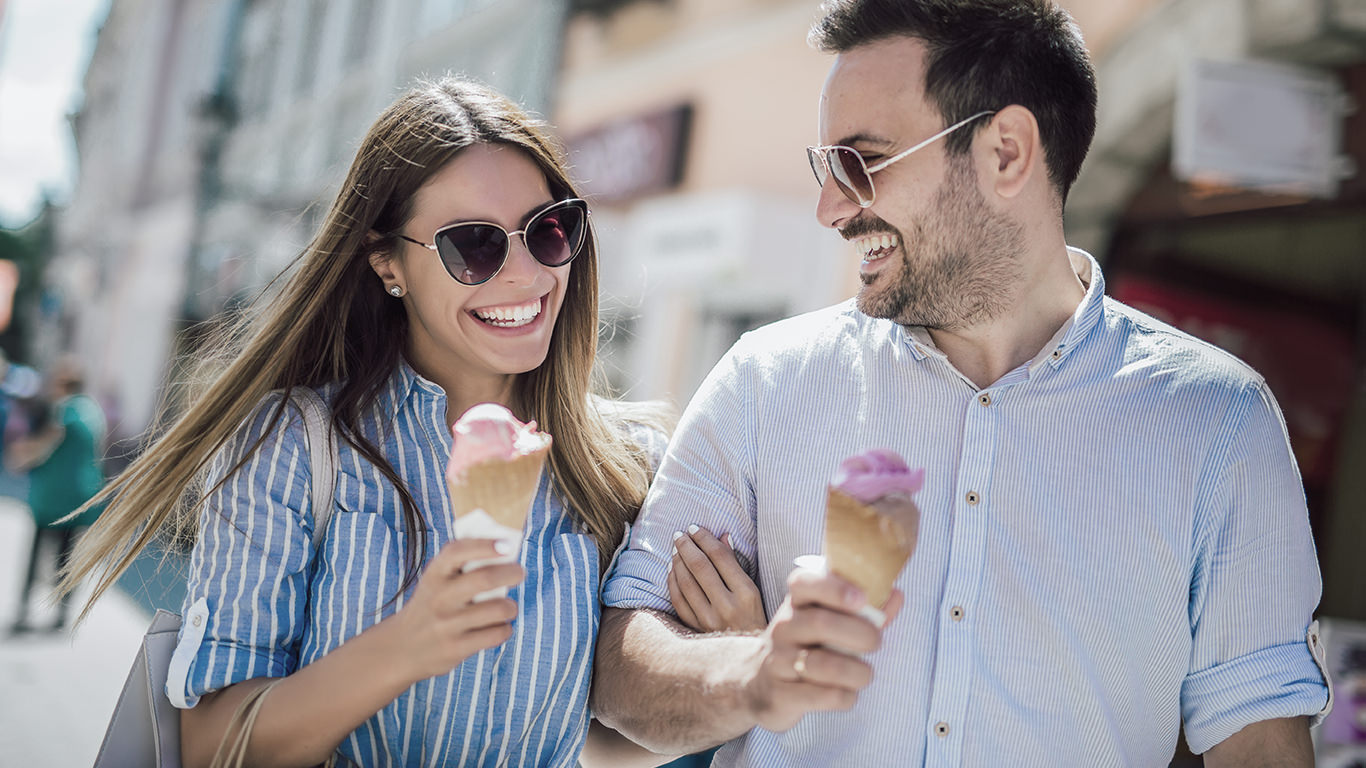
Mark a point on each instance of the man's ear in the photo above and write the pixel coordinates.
(1015, 154)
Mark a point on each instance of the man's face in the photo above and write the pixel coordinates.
(934, 252)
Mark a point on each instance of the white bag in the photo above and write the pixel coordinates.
(145, 728)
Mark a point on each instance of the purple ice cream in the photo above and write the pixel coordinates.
(877, 473)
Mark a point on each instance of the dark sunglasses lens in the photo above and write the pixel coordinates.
(850, 175)
(557, 236)
(472, 252)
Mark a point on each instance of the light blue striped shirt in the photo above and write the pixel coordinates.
(1113, 536)
(257, 606)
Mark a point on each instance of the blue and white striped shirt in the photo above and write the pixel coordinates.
(1113, 537)
(260, 605)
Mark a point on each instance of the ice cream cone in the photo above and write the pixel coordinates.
(867, 546)
(504, 490)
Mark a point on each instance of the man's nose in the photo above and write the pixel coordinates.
(832, 207)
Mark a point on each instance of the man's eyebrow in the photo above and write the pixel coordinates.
(865, 139)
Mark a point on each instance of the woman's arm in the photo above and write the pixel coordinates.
(307, 714)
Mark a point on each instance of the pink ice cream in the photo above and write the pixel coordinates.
(489, 432)
(876, 474)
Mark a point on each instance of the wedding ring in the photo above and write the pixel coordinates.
(799, 666)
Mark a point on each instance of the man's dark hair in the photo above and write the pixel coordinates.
(985, 55)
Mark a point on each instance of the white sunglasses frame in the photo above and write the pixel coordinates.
(823, 153)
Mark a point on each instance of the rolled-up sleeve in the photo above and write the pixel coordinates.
(1255, 586)
(705, 479)
(247, 590)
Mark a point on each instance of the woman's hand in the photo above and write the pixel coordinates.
(709, 589)
(441, 625)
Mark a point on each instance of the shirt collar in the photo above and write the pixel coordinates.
(405, 383)
(1067, 338)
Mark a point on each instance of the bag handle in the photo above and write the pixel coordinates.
(318, 428)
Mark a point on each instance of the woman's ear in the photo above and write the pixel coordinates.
(388, 268)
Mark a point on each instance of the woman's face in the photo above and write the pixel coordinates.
(475, 337)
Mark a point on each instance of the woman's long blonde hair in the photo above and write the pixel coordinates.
(331, 321)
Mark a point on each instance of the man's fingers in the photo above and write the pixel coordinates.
(823, 667)
(722, 559)
(806, 587)
(818, 626)
(791, 701)
(893, 606)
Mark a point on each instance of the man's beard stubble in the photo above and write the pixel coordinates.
(959, 268)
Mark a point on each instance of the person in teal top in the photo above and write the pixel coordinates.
(63, 463)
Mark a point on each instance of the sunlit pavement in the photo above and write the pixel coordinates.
(57, 690)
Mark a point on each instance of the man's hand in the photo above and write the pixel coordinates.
(810, 658)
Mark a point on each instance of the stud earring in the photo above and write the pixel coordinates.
(395, 291)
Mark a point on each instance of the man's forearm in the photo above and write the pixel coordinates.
(1282, 743)
(668, 691)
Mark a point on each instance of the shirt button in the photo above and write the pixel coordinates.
(984, 399)
(956, 613)
(1057, 353)
(196, 621)
(973, 498)
(941, 729)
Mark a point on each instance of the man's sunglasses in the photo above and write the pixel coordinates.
(853, 177)
(474, 251)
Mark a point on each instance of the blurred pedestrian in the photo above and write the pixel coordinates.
(63, 462)
(457, 266)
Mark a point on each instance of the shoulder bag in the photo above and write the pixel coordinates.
(145, 728)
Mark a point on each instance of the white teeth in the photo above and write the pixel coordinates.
(510, 316)
(875, 247)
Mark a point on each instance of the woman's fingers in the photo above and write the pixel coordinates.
(682, 606)
(696, 598)
(722, 559)
(456, 554)
(699, 565)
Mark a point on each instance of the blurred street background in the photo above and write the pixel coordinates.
(161, 160)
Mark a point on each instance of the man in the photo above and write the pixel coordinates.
(1114, 538)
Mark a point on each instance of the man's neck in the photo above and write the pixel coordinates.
(1044, 302)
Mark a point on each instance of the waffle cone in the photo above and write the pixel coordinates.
(867, 547)
(503, 489)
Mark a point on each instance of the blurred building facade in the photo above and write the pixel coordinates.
(212, 137)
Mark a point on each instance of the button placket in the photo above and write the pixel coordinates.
(954, 669)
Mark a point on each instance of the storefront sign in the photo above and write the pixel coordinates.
(632, 157)
(1260, 126)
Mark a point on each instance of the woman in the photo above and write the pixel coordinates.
(456, 266)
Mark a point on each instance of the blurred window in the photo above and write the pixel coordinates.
(308, 52)
(358, 37)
